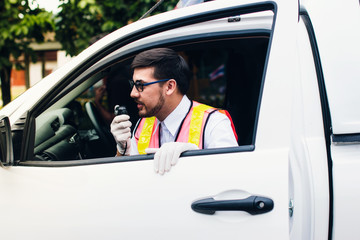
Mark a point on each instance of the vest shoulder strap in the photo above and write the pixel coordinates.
(145, 134)
(196, 122)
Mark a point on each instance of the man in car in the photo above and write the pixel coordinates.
(169, 122)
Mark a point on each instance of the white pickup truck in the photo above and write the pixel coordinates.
(287, 71)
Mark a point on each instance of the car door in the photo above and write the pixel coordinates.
(340, 71)
(232, 193)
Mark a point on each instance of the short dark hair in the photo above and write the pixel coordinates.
(167, 64)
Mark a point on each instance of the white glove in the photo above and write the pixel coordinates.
(168, 155)
(120, 129)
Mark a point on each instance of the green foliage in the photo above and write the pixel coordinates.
(80, 20)
(19, 26)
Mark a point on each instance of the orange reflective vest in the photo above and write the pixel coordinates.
(192, 128)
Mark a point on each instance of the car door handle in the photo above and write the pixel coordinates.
(253, 205)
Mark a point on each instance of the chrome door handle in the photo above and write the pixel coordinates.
(253, 205)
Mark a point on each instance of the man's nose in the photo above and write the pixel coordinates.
(134, 92)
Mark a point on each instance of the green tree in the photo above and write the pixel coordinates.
(19, 26)
(81, 20)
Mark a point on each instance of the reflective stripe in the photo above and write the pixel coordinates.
(145, 135)
(192, 128)
(196, 123)
(223, 111)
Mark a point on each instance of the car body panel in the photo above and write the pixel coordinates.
(131, 201)
(345, 178)
(338, 35)
(126, 199)
(337, 29)
(290, 161)
(308, 176)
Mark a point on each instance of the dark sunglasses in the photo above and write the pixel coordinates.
(139, 85)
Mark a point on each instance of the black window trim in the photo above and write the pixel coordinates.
(349, 138)
(93, 161)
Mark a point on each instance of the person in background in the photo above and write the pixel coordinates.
(113, 91)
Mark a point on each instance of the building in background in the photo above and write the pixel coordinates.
(49, 58)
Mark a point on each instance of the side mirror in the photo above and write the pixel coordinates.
(6, 145)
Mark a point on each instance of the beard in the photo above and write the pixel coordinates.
(153, 111)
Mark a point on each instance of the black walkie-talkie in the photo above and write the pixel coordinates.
(118, 110)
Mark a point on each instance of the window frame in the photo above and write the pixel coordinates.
(97, 65)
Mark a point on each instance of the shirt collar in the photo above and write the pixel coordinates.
(173, 121)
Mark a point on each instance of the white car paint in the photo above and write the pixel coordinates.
(289, 163)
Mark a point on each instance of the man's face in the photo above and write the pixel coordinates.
(151, 100)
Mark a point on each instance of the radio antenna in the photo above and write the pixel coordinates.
(151, 9)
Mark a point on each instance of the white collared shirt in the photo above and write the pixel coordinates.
(218, 131)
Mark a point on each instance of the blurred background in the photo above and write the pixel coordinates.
(38, 36)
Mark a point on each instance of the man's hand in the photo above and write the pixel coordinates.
(168, 155)
(120, 129)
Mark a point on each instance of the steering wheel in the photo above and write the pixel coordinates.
(102, 129)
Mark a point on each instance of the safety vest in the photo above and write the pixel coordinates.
(147, 135)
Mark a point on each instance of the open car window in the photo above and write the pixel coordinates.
(227, 58)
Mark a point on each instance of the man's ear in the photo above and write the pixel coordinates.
(171, 87)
